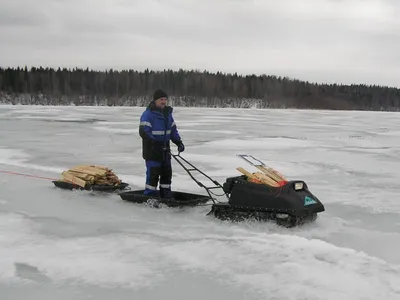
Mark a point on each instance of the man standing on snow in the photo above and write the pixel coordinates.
(157, 128)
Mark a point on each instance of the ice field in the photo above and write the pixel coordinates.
(59, 244)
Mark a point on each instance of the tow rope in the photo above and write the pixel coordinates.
(26, 175)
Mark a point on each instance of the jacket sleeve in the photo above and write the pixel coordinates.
(175, 137)
(145, 127)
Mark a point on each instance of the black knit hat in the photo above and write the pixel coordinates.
(159, 94)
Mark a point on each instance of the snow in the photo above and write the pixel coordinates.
(57, 244)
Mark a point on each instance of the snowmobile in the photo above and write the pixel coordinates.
(289, 204)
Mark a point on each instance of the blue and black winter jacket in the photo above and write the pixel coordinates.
(157, 128)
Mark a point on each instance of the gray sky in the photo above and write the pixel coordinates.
(342, 41)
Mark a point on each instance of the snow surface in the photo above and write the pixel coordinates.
(57, 244)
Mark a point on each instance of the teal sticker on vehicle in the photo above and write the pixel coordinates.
(309, 201)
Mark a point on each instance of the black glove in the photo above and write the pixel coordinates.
(181, 146)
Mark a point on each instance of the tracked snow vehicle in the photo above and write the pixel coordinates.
(255, 196)
(288, 203)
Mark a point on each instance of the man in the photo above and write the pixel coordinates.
(157, 128)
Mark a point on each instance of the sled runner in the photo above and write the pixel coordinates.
(177, 199)
(88, 187)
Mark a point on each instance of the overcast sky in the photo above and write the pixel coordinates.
(342, 41)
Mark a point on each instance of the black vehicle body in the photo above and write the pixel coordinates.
(290, 205)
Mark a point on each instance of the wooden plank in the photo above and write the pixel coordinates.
(269, 173)
(98, 171)
(84, 171)
(73, 179)
(89, 170)
(273, 171)
(258, 177)
(265, 179)
(93, 166)
(100, 167)
(83, 176)
(247, 173)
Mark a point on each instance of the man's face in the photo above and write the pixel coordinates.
(161, 102)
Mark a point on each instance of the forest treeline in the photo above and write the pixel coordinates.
(62, 86)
